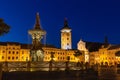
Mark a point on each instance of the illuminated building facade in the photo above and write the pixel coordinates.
(109, 55)
(100, 53)
(15, 52)
(12, 51)
(82, 47)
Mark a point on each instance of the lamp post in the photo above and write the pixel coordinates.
(77, 54)
(67, 63)
(51, 61)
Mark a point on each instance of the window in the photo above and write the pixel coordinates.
(17, 52)
(67, 38)
(2, 57)
(12, 58)
(9, 57)
(3, 51)
(16, 57)
(67, 34)
(9, 52)
(13, 52)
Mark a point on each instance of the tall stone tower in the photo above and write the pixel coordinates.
(37, 34)
(66, 40)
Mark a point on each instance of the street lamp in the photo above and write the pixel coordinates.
(51, 61)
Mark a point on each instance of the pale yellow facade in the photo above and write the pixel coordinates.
(13, 52)
(16, 52)
(105, 56)
(81, 46)
(59, 54)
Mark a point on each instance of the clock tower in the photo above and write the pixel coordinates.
(66, 42)
(37, 33)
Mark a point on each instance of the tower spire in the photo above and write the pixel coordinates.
(65, 24)
(37, 23)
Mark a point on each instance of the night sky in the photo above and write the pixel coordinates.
(90, 20)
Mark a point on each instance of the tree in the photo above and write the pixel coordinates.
(4, 28)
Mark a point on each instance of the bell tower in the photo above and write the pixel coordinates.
(37, 34)
(66, 40)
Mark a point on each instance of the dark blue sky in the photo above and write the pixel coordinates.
(90, 20)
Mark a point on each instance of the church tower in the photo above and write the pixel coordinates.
(37, 34)
(66, 42)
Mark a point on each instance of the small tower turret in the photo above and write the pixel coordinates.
(66, 41)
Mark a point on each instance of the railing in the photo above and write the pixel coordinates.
(37, 66)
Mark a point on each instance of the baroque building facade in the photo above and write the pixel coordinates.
(17, 52)
(100, 53)
(109, 55)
